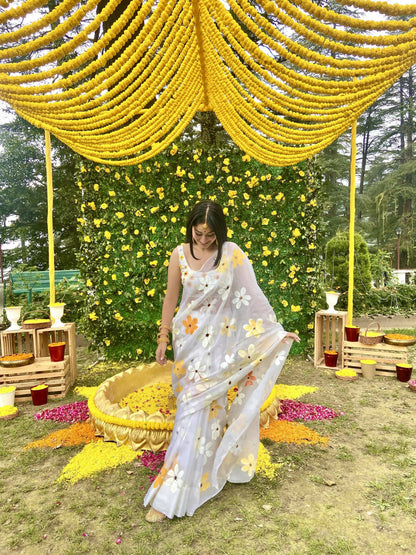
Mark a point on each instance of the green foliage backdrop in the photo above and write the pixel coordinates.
(337, 268)
(130, 220)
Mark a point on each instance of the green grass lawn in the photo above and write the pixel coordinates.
(356, 495)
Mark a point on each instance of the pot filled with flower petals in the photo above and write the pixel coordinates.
(39, 394)
(331, 358)
(403, 372)
(352, 333)
(7, 395)
(368, 368)
(57, 351)
(412, 385)
(331, 299)
(13, 314)
(57, 311)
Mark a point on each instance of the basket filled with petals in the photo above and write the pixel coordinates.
(346, 374)
(412, 385)
(8, 412)
(35, 323)
(372, 337)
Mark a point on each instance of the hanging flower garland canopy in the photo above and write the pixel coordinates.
(119, 80)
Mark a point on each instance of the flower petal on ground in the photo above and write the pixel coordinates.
(94, 458)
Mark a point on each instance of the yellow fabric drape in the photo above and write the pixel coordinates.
(352, 222)
(49, 185)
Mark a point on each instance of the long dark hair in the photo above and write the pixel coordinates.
(210, 213)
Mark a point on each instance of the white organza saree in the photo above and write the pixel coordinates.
(225, 335)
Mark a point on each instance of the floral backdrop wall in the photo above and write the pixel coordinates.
(131, 218)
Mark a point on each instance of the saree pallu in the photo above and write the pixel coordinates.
(225, 336)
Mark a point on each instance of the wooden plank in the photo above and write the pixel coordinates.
(40, 365)
(380, 372)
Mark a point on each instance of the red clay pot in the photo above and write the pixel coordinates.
(403, 372)
(352, 333)
(331, 359)
(39, 396)
(57, 352)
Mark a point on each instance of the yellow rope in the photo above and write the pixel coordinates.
(49, 186)
(352, 222)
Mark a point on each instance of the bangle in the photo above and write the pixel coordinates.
(162, 327)
(163, 339)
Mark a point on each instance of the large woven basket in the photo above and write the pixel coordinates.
(372, 339)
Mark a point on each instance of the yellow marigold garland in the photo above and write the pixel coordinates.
(127, 96)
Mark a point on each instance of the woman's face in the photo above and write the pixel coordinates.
(203, 236)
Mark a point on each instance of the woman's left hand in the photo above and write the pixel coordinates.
(291, 335)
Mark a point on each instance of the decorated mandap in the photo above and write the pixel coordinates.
(119, 81)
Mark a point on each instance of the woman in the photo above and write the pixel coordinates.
(225, 335)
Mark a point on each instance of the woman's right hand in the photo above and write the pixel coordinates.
(160, 353)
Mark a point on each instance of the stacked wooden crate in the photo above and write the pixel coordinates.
(329, 335)
(59, 376)
(386, 356)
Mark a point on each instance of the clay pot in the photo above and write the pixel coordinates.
(56, 351)
(352, 333)
(39, 396)
(403, 372)
(331, 359)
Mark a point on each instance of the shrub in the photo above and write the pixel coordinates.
(389, 300)
(337, 265)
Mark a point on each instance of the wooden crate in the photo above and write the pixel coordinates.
(56, 375)
(329, 335)
(386, 356)
(54, 335)
(21, 341)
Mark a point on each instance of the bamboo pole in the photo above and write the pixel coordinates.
(352, 222)
(49, 185)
